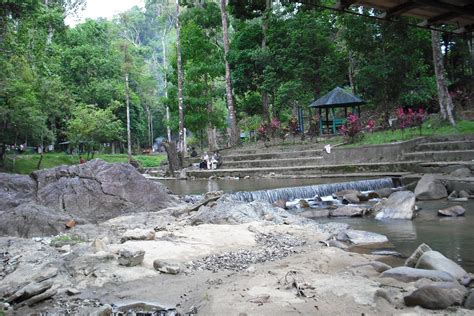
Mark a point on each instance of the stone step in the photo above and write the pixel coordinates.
(274, 155)
(264, 163)
(444, 166)
(386, 168)
(271, 149)
(442, 155)
(449, 145)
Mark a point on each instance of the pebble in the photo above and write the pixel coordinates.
(271, 247)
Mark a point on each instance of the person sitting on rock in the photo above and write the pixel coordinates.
(81, 160)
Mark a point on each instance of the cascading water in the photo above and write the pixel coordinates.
(305, 192)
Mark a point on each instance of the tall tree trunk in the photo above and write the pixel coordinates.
(234, 134)
(266, 16)
(181, 144)
(445, 102)
(211, 131)
(165, 67)
(351, 73)
(175, 158)
(129, 137)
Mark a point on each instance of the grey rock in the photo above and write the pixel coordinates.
(378, 266)
(430, 188)
(30, 220)
(351, 198)
(72, 291)
(384, 193)
(434, 297)
(40, 297)
(97, 190)
(407, 274)
(280, 203)
(29, 290)
(400, 205)
(138, 234)
(336, 244)
(130, 258)
(91, 192)
(314, 213)
(360, 237)
(452, 211)
(434, 260)
(342, 193)
(166, 267)
(415, 256)
(105, 310)
(347, 211)
(15, 189)
(461, 173)
(463, 194)
(469, 302)
(98, 245)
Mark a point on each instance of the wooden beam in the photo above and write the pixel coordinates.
(399, 9)
(344, 4)
(465, 29)
(461, 10)
(439, 19)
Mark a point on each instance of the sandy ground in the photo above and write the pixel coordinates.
(316, 280)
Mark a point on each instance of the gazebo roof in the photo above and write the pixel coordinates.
(337, 97)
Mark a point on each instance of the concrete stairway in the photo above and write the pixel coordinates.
(429, 155)
(458, 150)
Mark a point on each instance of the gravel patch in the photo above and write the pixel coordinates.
(270, 247)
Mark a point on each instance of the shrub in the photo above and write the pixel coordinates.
(352, 130)
(410, 118)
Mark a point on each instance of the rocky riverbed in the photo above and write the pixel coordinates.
(131, 246)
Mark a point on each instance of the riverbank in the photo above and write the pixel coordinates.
(89, 239)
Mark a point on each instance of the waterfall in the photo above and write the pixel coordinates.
(305, 192)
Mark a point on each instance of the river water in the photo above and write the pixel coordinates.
(454, 237)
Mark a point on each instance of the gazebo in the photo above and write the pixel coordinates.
(337, 98)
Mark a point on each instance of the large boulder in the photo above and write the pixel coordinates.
(347, 211)
(228, 211)
(407, 274)
(32, 220)
(15, 189)
(452, 211)
(430, 188)
(400, 205)
(469, 302)
(435, 297)
(97, 190)
(434, 260)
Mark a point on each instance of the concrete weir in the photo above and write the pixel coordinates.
(311, 191)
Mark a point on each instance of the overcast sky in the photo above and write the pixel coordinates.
(105, 9)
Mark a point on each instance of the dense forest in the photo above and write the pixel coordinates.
(236, 66)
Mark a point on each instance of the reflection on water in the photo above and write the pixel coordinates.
(454, 237)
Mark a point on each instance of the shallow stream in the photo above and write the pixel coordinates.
(454, 237)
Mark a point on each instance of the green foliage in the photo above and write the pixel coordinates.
(27, 163)
(63, 240)
(90, 126)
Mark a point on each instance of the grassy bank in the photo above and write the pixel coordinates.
(26, 163)
(389, 136)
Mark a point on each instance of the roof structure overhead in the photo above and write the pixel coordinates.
(431, 13)
(337, 97)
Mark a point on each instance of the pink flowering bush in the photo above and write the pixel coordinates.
(410, 118)
(352, 130)
(370, 125)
